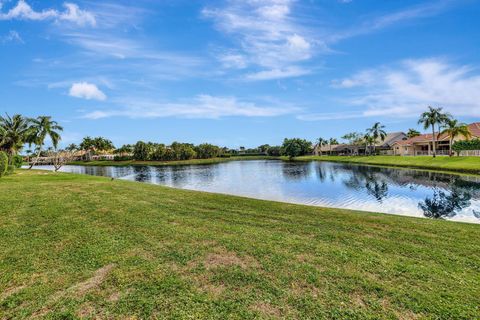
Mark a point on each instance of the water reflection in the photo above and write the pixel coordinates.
(388, 190)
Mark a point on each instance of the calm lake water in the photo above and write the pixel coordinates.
(395, 191)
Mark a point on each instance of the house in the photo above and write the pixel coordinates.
(384, 147)
(422, 145)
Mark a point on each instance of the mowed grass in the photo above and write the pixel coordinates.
(458, 164)
(169, 163)
(75, 246)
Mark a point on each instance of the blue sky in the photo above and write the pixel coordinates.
(237, 72)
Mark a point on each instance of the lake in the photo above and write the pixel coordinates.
(389, 190)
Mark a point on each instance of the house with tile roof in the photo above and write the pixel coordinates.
(422, 145)
(383, 146)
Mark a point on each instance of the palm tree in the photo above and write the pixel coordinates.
(369, 141)
(42, 127)
(377, 132)
(412, 133)
(13, 133)
(331, 142)
(453, 129)
(72, 147)
(320, 143)
(432, 117)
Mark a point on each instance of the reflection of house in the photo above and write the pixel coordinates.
(422, 144)
(384, 146)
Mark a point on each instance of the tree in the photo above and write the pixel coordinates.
(141, 151)
(274, 151)
(321, 142)
(207, 151)
(354, 138)
(93, 145)
(369, 141)
(263, 148)
(453, 129)
(412, 133)
(377, 132)
(431, 118)
(60, 158)
(41, 128)
(332, 141)
(296, 147)
(72, 147)
(3, 163)
(14, 132)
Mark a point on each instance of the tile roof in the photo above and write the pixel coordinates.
(474, 129)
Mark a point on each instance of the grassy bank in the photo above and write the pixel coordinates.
(169, 163)
(81, 246)
(457, 164)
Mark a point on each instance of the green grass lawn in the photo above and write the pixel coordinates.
(74, 246)
(169, 163)
(458, 164)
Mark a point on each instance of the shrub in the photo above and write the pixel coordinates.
(17, 161)
(10, 169)
(274, 151)
(122, 158)
(3, 163)
(466, 145)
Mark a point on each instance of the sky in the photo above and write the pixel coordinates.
(237, 72)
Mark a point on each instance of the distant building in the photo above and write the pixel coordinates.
(384, 147)
(422, 144)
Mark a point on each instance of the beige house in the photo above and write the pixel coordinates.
(384, 146)
(422, 144)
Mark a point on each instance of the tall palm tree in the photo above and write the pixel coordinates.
(453, 129)
(43, 127)
(321, 142)
(431, 118)
(377, 132)
(13, 133)
(331, 142)
(369, 141)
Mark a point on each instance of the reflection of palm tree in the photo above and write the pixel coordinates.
(379, 190)
(443, 205)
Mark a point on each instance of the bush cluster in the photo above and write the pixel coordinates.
(17, 161)
(466, 145)
(143, 151)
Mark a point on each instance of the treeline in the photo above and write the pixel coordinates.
(151, 151)
(143, 151)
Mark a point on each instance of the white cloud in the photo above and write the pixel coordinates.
(74, 14)
(373, 24)
(277, 73)
(23, 11)
(87, 91)
(266, 34)
(202, 106)
(11, 36)
(407, 89)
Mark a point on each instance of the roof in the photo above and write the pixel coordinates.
(390, 139)
(474, 129)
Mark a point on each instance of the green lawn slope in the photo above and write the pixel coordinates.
(75, 246)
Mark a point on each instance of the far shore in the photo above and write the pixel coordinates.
(470, 165)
